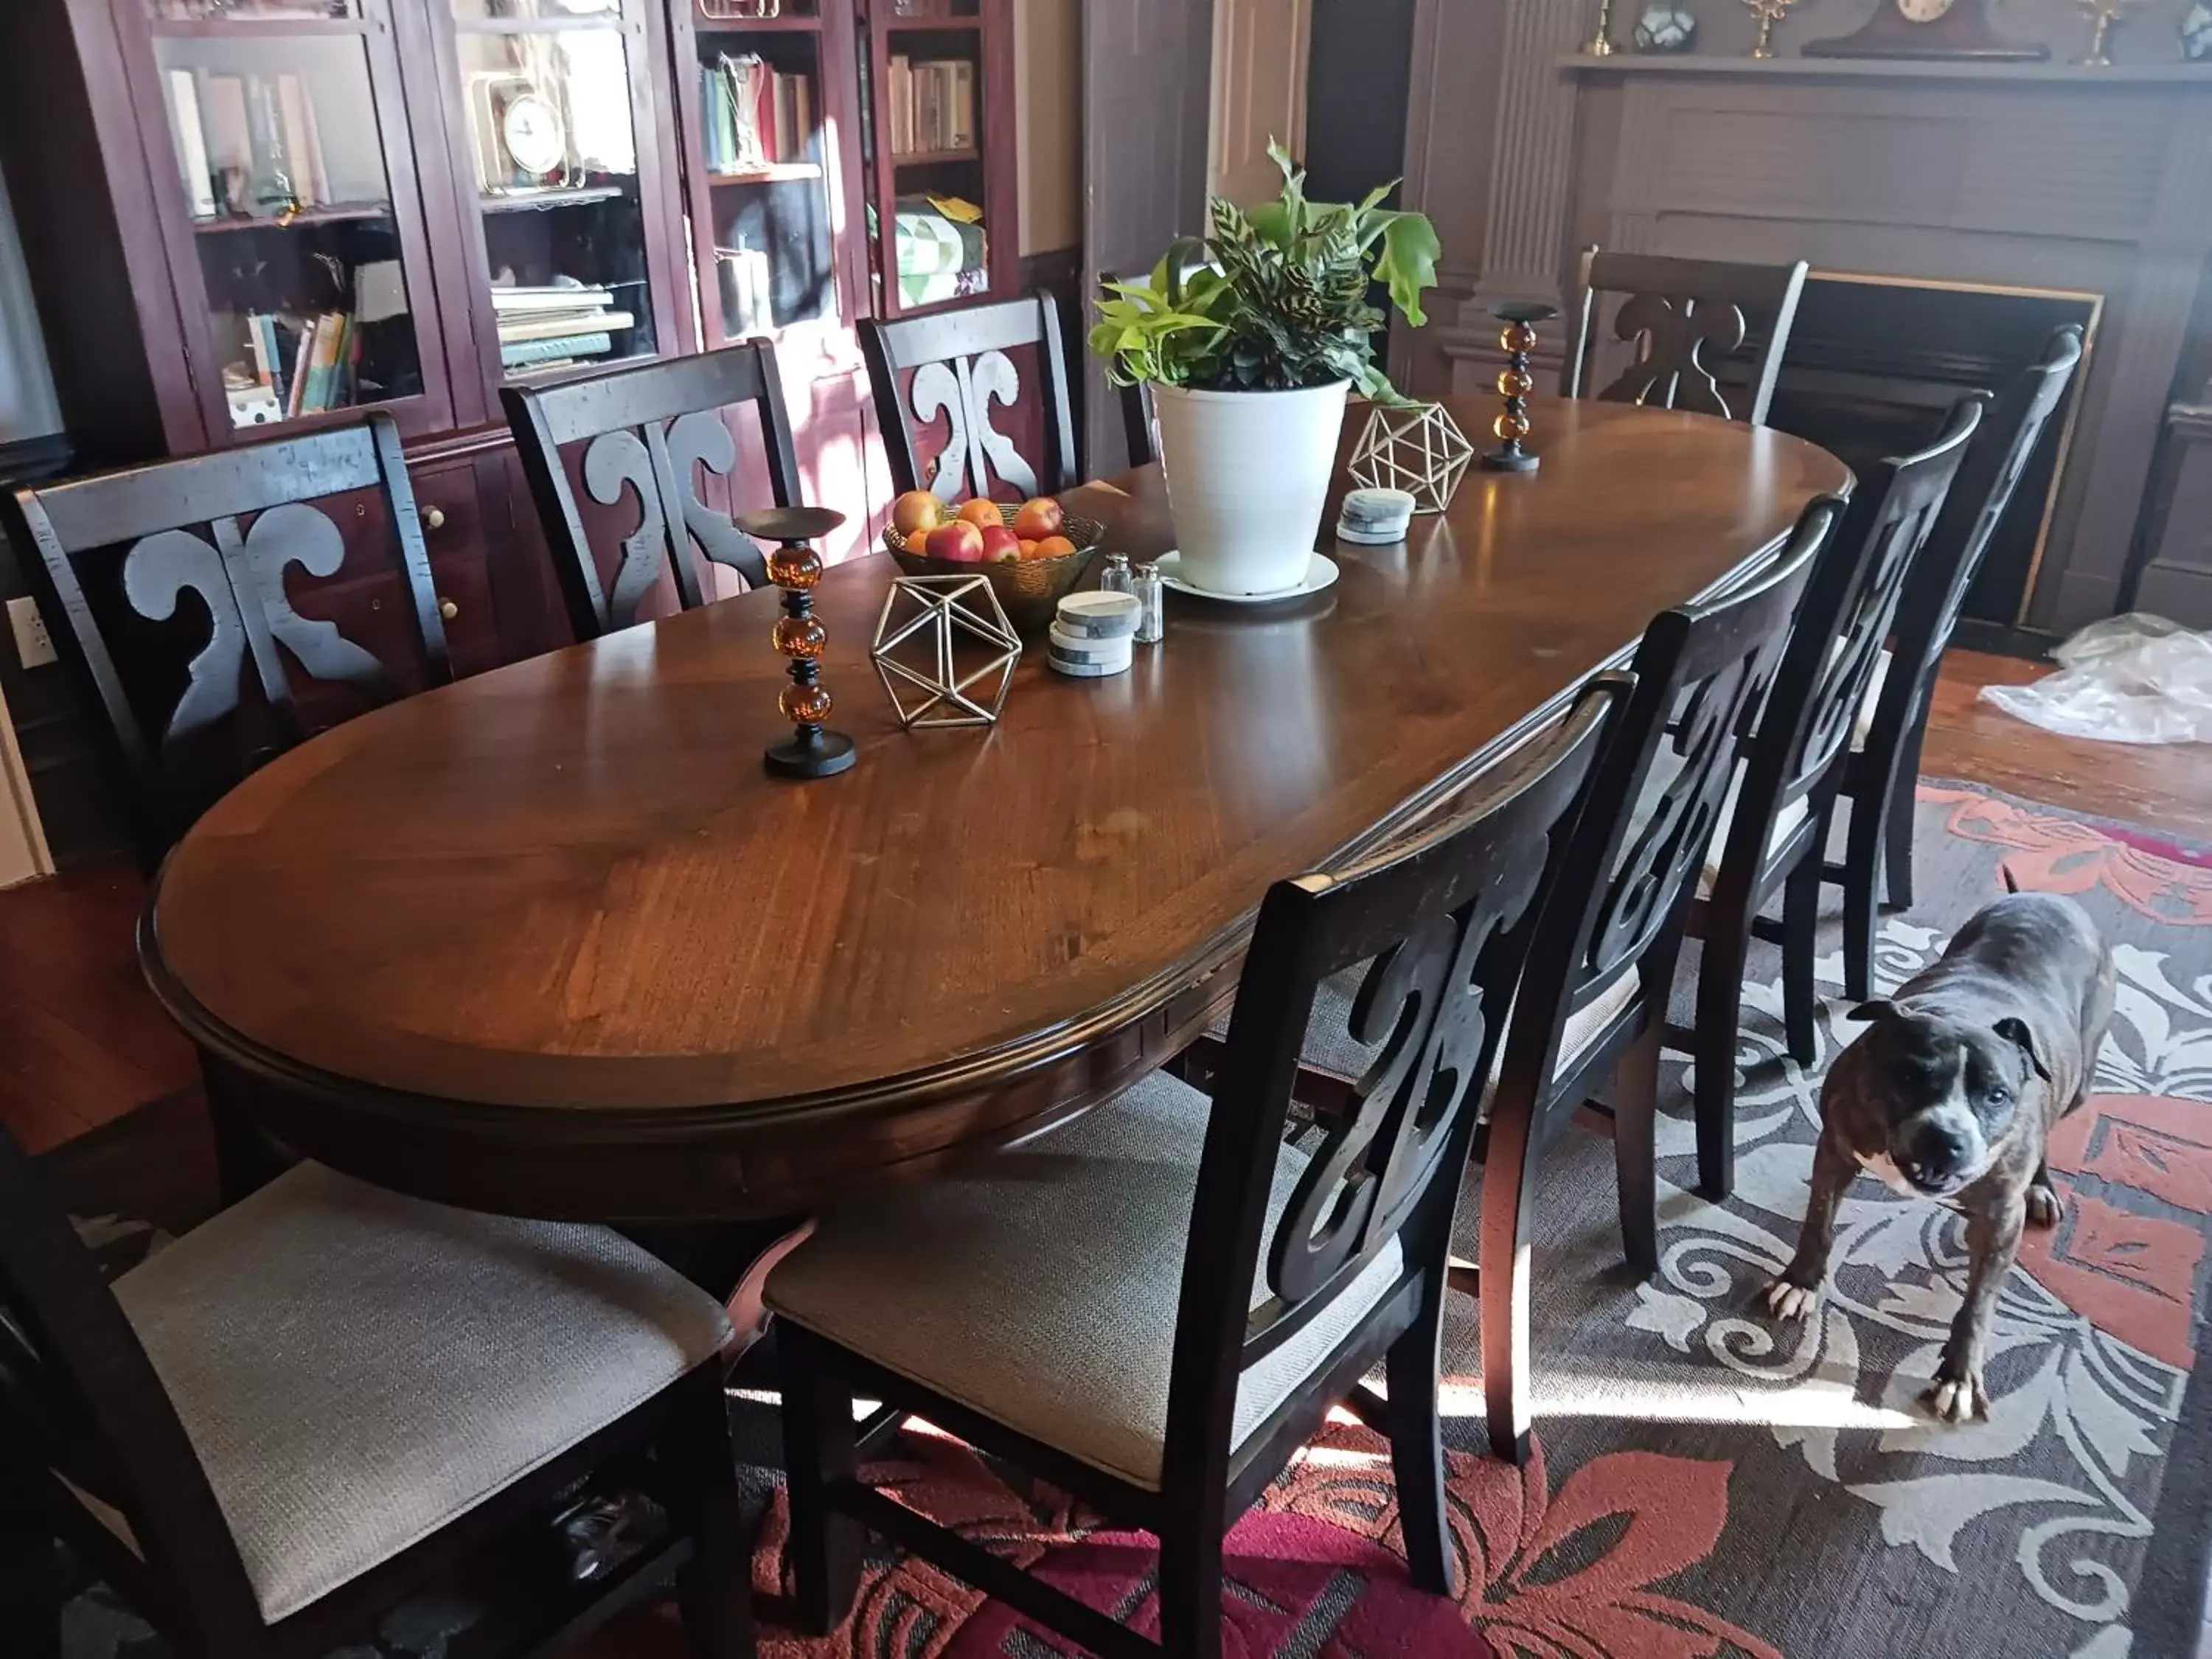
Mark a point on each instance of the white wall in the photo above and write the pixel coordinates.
(26, 392)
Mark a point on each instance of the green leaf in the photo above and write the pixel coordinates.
(1408, 265)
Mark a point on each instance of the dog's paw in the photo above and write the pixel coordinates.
(1788, 1301)
(1956, 1399)
(2042, 1204)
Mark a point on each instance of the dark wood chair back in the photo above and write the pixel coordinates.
(952, 365)
(648, 432)
(1678, 318)
(1936, 586)
(84, 1421)
(1703, 673)
(209, 541)
(1836, 641)
(1445, 921)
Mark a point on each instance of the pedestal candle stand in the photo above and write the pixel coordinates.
(796, 567)
(1517, 339)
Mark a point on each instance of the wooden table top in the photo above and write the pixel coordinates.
(550, 941)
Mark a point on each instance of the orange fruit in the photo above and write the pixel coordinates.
(981, 513)
(1054, 547)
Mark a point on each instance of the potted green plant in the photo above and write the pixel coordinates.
(1251, 340)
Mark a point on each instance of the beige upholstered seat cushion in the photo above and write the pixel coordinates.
(1329, 1044)
(1039, 1288)
(356, 1369)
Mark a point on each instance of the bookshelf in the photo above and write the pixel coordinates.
(767, 124)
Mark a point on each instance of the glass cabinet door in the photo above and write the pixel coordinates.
(566, 209)
(285, 136)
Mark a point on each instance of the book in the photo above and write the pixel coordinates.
(299, 163)
(192, 144)
(504, 301)
(228, 138)
(553, 351)
(552, 328)
(296, 393)
(960, 108)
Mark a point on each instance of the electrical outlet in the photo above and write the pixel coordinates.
(29, 627)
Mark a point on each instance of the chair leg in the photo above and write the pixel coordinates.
(1635, 1149)
(715, 1588)
(1801, 930)
(821, 1452)
(1190, 1587)
(1897, 832)
(1720, 1005)
(1417, 1448)
(1509, 1174)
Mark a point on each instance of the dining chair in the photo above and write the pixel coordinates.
(1593, 1001)
(952, 365)
(648, 432)
(1773, 835)
(1876, 790)
(1678, 317)
(287, 1421)
(170, 582)
(1156, 1305)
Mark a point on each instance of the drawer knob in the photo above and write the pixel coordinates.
(448, 608)
(434, 518)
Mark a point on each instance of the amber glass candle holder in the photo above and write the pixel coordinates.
(813, 751)
(1516, 340)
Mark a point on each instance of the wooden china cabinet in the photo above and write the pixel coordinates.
(250, 216)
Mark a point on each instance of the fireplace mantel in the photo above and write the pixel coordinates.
(2035, 175)
(2042, 74)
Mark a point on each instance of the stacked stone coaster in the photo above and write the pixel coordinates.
(1093, 634)
(1375, 518)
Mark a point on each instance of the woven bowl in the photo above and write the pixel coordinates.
(1030, 589)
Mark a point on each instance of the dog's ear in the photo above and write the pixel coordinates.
(1879, 1008)
(2016, 1031)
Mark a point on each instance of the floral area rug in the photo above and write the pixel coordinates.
(1704, 1481)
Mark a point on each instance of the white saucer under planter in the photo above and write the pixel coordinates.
(1246, 474)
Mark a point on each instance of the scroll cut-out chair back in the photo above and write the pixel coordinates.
(952, 367)
(646, 436)
(1444, 922)
(129, 563)
(1678, 319)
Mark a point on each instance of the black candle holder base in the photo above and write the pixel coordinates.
(822, 755)
(1515, 461)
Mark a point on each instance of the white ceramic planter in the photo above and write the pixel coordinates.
(1247, 473)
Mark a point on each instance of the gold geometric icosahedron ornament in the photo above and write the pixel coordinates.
(1419, 450)
(924, 619)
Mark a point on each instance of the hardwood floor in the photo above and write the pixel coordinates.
(82, 1041)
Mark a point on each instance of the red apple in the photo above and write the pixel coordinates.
(957, 542)
(981, 513)
(1039, 519)
(1001, 546)
(916, 511)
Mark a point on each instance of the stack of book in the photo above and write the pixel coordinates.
(757, 118)
(555, 326)
(300, 365)
(930, 105)
(246, 144)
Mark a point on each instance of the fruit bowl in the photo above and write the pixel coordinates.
(1029, 589)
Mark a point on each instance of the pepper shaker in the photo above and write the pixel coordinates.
(1117, 578)
(1152, 597)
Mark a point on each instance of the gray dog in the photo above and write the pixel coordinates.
(1952, 1094)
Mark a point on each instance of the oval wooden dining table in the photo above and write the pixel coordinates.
(550, 941)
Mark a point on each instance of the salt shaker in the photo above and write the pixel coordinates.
(1117, 578)
(1152, 595)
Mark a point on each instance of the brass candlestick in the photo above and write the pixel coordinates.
(796, 567)
(2102, 15)
(1768, 13)
(1517, 339)
(1601, 44)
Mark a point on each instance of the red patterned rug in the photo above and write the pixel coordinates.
(1705, 1482)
